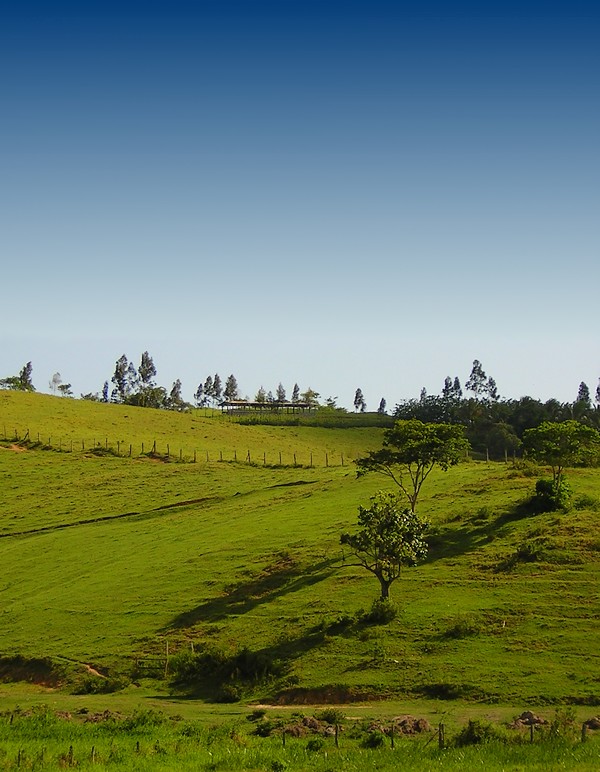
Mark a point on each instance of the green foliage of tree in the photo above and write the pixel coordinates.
(382, 406)
(583, 394)
(310, 396)
(65, 389)
(119, 379)
(561, 445)
(359, 401)
(199, 396)
(20, 382)
(217, 388)
(296, 393)
(280, 394)
(175, 401)
(389, 538)
(231, 388)
(261, 395)
(146, 370)
(411, 449)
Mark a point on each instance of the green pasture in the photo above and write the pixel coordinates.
(106, 560)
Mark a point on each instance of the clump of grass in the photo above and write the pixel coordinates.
(330, 716)
(477, 732)
(585, 501)
(464, 626)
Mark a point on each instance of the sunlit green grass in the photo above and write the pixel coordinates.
(107, 559)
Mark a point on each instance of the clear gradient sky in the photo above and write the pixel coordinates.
(336, 194)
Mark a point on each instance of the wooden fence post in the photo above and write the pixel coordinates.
(583, 732)
(168, 450)
(441, 736)
(194, 456)
(326, 460)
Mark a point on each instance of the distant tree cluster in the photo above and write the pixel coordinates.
(20, 382)
(491, 424)
(136, 386)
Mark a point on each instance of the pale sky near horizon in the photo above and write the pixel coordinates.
(341, 195)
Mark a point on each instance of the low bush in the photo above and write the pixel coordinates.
(330, 716)
(478, 732)
(373, 740)
(550, 497)
(464, 626)
(382, 613)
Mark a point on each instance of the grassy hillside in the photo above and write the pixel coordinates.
(107, 558)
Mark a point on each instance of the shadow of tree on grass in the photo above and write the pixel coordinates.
(283, 577)
(478, 530)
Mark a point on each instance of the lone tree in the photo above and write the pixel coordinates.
(561, 445)
(411, 449)
(359, 401)
(389, 538)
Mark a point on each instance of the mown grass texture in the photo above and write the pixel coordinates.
(105, 560)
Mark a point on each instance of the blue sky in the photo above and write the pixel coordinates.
(335, 194)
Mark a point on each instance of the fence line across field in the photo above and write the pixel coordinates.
(164, 451)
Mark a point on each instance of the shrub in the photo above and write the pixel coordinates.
(229, 693)
(382, 613)
(477, 732)
(315, 744)
(562, 726)
(330, 715)
(93, 684)
(464, 626)
(257, 714)
(373, 740)
(550, 497)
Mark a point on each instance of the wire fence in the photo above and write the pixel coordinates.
(173, 451)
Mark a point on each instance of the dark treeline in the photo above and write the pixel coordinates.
(492, 424)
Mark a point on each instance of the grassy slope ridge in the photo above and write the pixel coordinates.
(248, 555)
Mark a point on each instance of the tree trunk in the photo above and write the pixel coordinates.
(385, 588)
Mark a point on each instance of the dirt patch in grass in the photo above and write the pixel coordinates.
(42, 671)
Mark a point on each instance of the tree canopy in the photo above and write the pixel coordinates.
(389, 538)
(411, 449)
(561, 445)
(20, 382)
